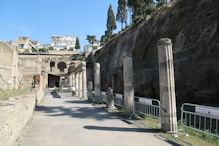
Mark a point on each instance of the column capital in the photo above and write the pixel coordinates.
(164, 42)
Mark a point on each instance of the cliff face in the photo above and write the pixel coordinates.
(193, 27)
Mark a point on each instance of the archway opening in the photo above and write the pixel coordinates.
(53, 81)
(62, 66)
(52, 65)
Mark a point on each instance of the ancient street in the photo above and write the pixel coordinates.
(64, 120)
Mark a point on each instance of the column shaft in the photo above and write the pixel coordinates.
(76, 84)
(84, 81)
(167, 86)
(97, 83)
(128, 84)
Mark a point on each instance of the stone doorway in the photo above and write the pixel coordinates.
(53, 81)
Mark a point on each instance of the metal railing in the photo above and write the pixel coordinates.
(148, 106)
(145, 106)
(104, 96)
(204, 119)
(119, 100)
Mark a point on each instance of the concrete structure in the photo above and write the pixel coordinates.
(8, 67)
(128, 84)
(97, 83)
(24, 43)
(59, 42)
(167, 86)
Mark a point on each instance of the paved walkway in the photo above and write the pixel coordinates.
(62, 121)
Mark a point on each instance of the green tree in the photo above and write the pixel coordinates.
(34, 50)
(140, 8)
(161, 2)
(122, 13)
(51, 48)
(43, 50)
(111, 22)
(91, 39)
(77, 44)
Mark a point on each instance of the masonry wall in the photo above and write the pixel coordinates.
(193, 27)
(8, 67)
(15, 114)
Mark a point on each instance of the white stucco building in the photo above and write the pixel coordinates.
(59, 42)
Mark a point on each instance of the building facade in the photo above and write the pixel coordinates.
(24, 43)
(60, 42)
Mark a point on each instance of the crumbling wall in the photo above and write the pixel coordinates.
(8, 67)
(15, 114)
(193, 27)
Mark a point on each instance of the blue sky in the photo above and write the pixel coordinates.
(39, 19)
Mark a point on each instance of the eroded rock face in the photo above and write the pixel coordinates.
(193, 27)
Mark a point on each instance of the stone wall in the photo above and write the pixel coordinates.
(15, 114)
(8, 67)
(193, 27)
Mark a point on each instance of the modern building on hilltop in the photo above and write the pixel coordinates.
(24, 43)
(60, 42)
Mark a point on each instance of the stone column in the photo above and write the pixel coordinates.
(84, 81)
(128, 84)
(80, 84)
(167, 86)
(76, 85)
(110, 99)
(73, 79)
(90, 91)
(97, 84)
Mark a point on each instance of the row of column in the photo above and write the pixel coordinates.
(167, 85)
(80, 82)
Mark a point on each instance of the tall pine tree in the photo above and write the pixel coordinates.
(122, 13)
(111, 22)
(77, 44)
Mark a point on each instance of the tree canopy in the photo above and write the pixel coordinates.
(91, 39)
(122, 12)
(111, 22)
(77, 44)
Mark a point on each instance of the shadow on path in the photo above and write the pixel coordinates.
(55, 95)
(122, 129)
(76, 112)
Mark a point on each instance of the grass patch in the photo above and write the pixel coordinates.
(194, 139)
(209, 138)
(6, 94)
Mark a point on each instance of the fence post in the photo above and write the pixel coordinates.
(167, 86)
(97, 84)
(128, 85)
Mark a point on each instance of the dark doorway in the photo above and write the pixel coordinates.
(53, 81)
(62, 66)
(52, 66)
